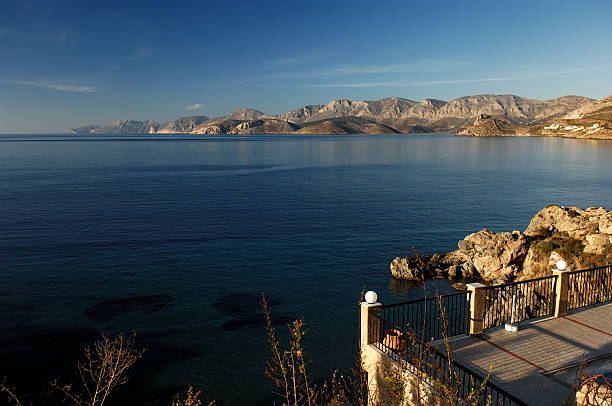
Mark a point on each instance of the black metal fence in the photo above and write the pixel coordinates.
(519, 301)
(589, 287)
(432, 366)
(430, 318)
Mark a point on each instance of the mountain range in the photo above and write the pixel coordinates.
(384, 116)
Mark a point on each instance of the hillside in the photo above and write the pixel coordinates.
(592, 121)
(345, 125)
(118, 127)
(183, 124)
(388, 115)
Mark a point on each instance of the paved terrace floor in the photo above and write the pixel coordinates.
(537, 363)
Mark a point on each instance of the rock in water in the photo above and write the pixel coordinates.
(581, 237)
(487, 126)
(409, 268)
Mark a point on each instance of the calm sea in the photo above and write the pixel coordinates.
(176, 238)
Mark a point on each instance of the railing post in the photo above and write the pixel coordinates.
(561, 288)
(370, 305)
(477, 310)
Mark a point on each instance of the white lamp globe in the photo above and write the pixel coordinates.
(371, 297)
(561, 265)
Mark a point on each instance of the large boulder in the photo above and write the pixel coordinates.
(495, 256)
(409, 268)
(571, 220)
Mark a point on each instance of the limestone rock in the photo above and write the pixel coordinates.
(408, 268)
(495, 255)
(571, 220)
(597, 243)
(580, 237)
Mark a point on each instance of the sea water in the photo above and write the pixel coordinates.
(175, 238)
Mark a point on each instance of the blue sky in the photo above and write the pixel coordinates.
(66, 64)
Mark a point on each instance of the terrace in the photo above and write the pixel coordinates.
(534, 334)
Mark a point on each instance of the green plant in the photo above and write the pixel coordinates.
(397, 383)
(571, 247)
(544, 232)
(546, 247)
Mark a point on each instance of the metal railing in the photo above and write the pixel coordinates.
(517, 301)
(589, 286)
(431, 317)
(432, 366)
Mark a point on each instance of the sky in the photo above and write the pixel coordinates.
(67, 64)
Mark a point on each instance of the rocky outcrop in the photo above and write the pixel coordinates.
(573, 221)
(487, 126)
(216, 127)
(581, 237)
(346, 125)
(266, 126)
(87, 129)
(388, 115)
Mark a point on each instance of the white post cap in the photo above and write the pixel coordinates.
(371, 297)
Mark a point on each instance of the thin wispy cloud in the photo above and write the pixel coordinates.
(141, 53)
(288, 60)
(405, 83)
(61, 87)
(196, 106)
(60, 35)
(123, 17)
(419, 66)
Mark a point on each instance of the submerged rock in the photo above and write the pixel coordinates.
(109, 309)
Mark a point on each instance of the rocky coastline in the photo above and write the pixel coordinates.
(583, 238)
(591, 121)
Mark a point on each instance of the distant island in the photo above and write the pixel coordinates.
(481, 115)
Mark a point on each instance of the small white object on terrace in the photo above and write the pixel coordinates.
(561, 265)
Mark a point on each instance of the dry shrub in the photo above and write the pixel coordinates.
(191, 399)
(104, 368)
(589, 390)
